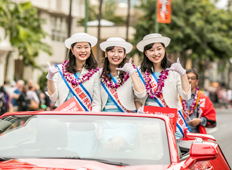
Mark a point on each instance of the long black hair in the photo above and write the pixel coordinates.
(106, 66)
(148, 65)
(90, 63)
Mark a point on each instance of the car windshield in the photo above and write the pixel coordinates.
(131, 140)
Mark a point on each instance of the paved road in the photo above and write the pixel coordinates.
(223, 132)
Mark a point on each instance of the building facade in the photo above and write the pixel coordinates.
(55, 13)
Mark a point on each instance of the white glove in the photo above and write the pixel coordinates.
(128, 67)
(52, 70)
(140, 110)
(178, 68)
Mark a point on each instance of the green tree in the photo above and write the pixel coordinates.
(197, 26)
(108, 13)
(42, 81)
(24, 28)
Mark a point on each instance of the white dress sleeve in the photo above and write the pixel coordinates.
(96, 103)
(185, 96)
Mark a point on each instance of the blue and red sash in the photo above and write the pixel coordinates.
(112, 92)
(79, 92)
(181, 124)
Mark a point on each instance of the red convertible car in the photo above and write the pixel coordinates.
(102, 141)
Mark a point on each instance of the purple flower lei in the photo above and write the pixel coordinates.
(111, 84)
(71, 78)
(160, 84)
(192, 107)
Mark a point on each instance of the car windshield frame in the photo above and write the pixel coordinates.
(84, 120)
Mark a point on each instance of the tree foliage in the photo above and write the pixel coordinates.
(24, 28)
(196, 25)
(108, 13)
(42, 81)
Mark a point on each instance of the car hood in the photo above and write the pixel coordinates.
(65, 164)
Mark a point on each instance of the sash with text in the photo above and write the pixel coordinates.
(112, 92)
(70, 105)
(181, 124)
(169, 112)
(79, 92)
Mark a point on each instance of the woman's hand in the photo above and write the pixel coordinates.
(52, 70)
(115, 143)
(128, 67)
(178, 68)
(140, 110)
(195, 121)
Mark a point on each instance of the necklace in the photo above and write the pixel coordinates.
(194, 104)
(71, 78)
(160, 83)
(111, 84)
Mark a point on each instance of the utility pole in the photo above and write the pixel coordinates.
(69, 23)
(229, 8)
(229, 5)
(128, 20)
(156, 22)
(70, 18)
(99, 32)
(86, 15)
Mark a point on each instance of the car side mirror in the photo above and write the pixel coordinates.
(201, 152)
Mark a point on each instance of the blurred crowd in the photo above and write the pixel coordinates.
(219, 95)
(18, 96)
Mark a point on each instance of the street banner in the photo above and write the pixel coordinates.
(169, 112)
(164, 11)
(70, 105)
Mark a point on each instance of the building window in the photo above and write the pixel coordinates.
(59, 28)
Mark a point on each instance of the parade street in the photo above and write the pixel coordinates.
(223, 132)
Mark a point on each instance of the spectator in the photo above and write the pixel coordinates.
(29, 83)
(229, 97)
(12, 88)
(222, 97)
(23, 100)
(16, 93)
(4, 101)
(38, 92)
(6, 85)
(199, 111)
(33, 97)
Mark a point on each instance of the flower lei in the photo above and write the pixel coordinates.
(194, 104)
(111, 84)
(160, 84)
(71, 78)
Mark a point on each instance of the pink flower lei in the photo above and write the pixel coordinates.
(111, 84)
(160, 84)
(71, 78)
(192, 107)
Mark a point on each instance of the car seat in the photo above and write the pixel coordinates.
(51, 139)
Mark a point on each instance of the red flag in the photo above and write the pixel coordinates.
(164, 11)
